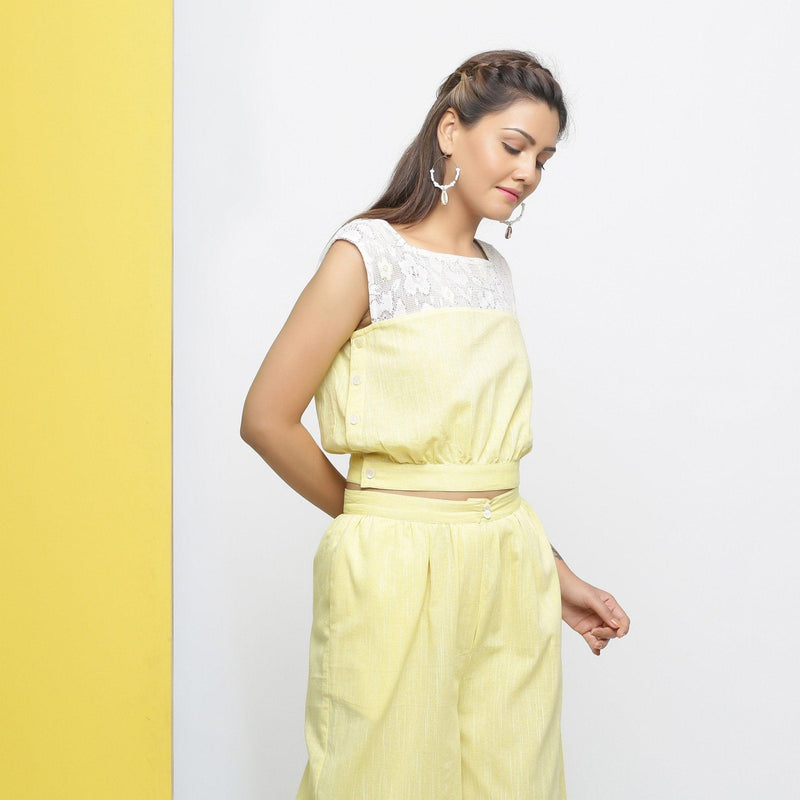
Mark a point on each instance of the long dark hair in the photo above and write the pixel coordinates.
(485, 83)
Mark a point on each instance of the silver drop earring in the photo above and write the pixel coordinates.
(446, 186)
(510, 221)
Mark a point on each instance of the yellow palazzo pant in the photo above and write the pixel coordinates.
(435, 653)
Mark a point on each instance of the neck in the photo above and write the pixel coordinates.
(449, 228)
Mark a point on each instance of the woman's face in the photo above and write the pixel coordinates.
(504, 151)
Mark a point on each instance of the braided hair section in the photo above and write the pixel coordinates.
(483, 78)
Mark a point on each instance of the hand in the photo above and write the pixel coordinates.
(592, 612)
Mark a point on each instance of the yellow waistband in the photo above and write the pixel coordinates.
(430, 509)
(379, 472)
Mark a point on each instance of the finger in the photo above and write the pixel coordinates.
(599, 603)
(604, 633)
(588, 623)
(620, 620)
(623, 623)
(612, 614)
(596, 644)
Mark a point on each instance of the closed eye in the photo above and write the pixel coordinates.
(513, 151)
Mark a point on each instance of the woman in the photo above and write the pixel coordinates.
(435, 653)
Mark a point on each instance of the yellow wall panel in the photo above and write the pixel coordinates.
(85, 428)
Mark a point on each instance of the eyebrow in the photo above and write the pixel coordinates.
(530, 138)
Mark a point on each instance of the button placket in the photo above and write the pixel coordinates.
(355, 395)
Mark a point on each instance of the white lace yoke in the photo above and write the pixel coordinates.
(404, 279)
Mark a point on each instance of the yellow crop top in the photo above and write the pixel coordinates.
(434, 394)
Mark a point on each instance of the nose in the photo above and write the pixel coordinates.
(525, 169)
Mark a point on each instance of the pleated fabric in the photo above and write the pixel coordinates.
(435, 663)
(449, 386)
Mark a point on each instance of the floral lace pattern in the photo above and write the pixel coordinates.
(403, 278)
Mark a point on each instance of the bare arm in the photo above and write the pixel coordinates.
(328, 310)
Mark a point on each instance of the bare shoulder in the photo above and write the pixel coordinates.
(331, 306)
(341, 281)
(345, 260)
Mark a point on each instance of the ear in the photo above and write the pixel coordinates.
(446, 129)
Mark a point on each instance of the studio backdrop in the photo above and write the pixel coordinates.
(154, 238)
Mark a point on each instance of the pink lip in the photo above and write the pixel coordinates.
(509, 195)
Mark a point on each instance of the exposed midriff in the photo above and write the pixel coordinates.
(488, 494)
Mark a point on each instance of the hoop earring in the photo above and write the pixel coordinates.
(510, 221)
(447, 186)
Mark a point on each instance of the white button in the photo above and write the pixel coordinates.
(370, 473)
(487, 511)
(359, 342)
(353, 419)
(356, 379)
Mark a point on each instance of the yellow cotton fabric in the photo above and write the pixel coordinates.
(447, 386)
(435, 648)
(435, 663)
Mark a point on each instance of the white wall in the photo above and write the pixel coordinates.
(656, 271)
